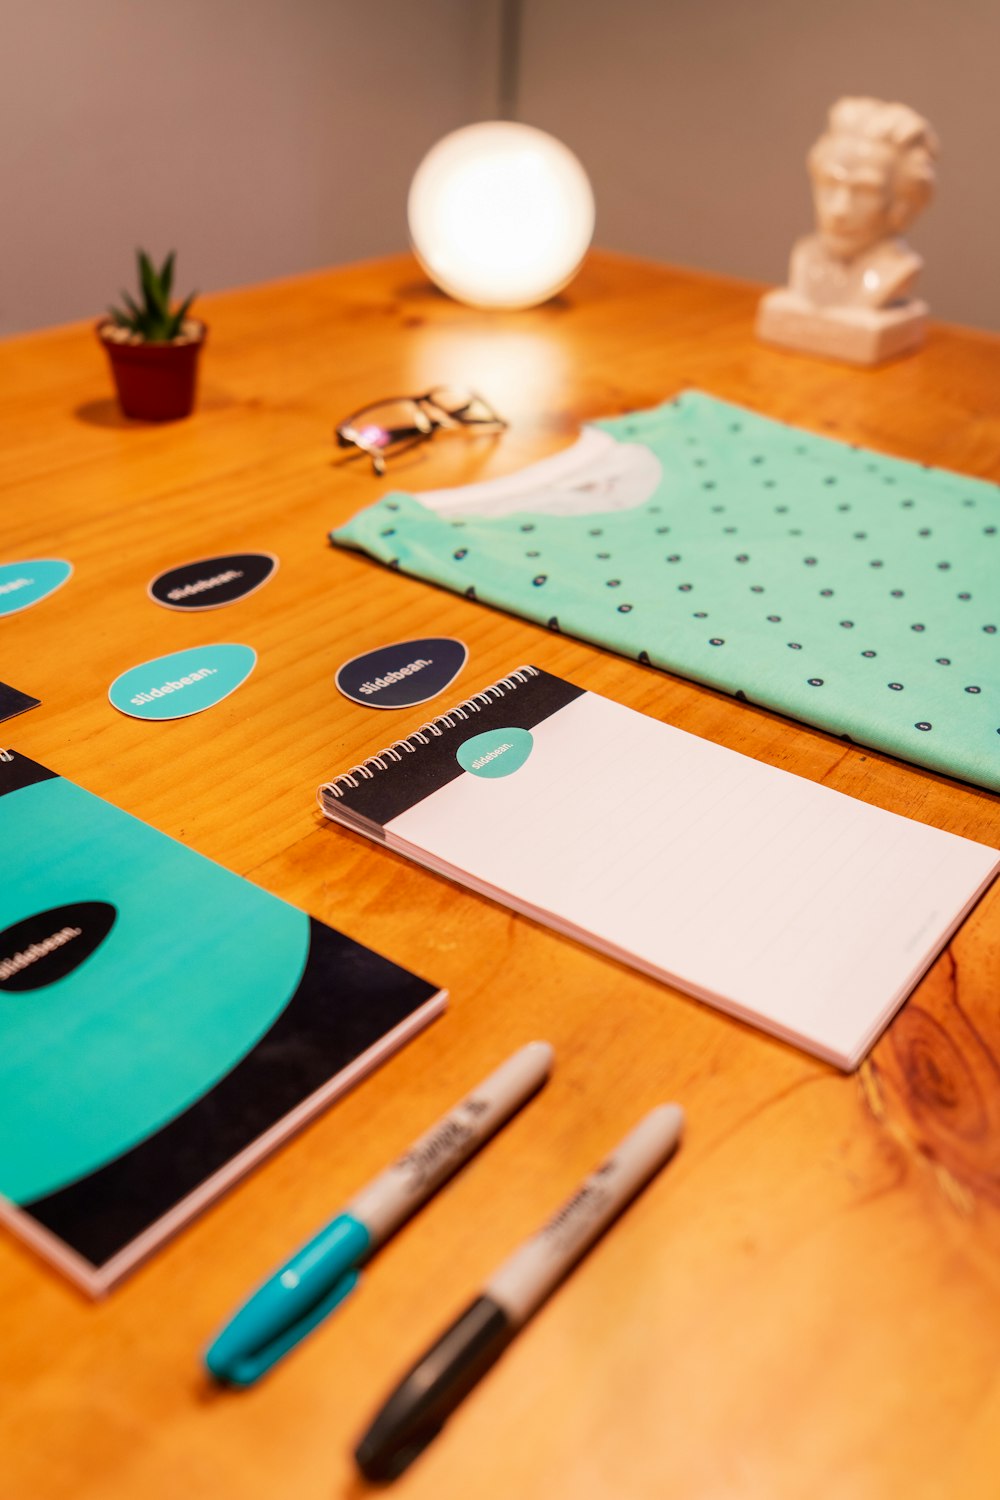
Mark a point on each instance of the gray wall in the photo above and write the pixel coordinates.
(259, 137)
(693, 120)
(265, 137)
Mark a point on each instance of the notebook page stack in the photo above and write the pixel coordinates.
(791, 906)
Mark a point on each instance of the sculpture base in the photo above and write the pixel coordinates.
(857, 335)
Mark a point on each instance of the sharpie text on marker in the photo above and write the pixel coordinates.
(325, 1270)
(436, 1385)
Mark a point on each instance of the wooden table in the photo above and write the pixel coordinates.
(807, 1303)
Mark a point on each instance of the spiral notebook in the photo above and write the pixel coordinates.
(163, 1024)
(791, 906)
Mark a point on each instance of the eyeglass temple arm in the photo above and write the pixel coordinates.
(454, 418)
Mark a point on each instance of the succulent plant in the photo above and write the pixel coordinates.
(153, 321)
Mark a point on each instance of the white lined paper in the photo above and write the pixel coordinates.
(778, 899)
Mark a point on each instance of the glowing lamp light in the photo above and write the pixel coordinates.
(500, 214)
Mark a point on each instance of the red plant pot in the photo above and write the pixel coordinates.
(155, 382)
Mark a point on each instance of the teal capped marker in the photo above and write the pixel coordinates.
(308, 1287)
(291, 1303)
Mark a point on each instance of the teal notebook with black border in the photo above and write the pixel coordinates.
(163, 1024)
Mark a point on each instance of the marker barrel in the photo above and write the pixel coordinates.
(391, 1197)
(445, 1374)
(524, 1281)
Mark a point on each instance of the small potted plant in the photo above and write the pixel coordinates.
(153, 351)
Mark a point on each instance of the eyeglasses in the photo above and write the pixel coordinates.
(387, 428)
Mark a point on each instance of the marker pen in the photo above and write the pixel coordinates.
(321, 1274)
(419, 1406)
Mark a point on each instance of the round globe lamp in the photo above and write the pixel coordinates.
(500, 215)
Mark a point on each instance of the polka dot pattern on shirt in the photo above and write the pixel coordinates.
(870, 609)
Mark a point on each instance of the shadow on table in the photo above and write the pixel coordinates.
(105, 414)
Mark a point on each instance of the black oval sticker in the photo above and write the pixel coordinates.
(211, 582)
(45, 947)
(405, 673)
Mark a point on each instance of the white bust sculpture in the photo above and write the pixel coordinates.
(851, 283)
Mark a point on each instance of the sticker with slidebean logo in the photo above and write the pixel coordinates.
(498, 752)
(25, 583)
(212, 582)
(47, 946)
(183, 683)
(405, 673)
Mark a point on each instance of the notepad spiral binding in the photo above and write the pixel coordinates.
(398, 748)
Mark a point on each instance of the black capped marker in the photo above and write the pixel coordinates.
(421, 1404)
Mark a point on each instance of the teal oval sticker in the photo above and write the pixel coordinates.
(183, 683)
(25, 583)
(498, 752)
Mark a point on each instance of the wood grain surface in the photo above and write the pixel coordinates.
(807, 1302)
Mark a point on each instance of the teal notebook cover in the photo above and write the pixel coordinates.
(163, 1022)
(854, 592)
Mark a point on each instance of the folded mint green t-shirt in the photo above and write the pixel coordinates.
(857, 593)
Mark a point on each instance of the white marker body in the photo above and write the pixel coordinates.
(524, 1281)
(385, 1202)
